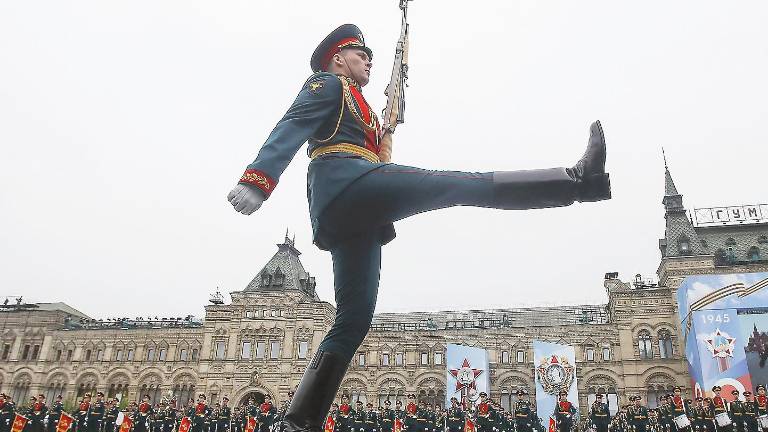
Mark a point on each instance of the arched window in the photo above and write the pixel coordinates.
(266, 279)
(665, 344)
(753, 254)
(644, 344)
(762, 239)
(21, 389)
(279, 278)
(683, 245)
(730, 242)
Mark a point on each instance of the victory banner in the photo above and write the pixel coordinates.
(250, 426)
(466, 374)
(126, 425)
(18, 423)
(65, 421)
(329, 424)
(555, 367)
(185, 425)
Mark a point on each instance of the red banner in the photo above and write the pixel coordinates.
(469, 426)
(185, 425)
(250, 426)
(65, 421)
(18, 423)
(552, 425)
(329, 424)
(398, 425)
(126, 425)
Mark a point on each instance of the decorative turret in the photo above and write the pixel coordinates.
(680, 239)
(284, 272)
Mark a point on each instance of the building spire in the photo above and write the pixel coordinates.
(669, 185)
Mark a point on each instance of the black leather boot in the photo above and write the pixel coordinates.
(316, 391)
(556, 187)
(589, 171)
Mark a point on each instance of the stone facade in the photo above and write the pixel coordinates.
(261, 342)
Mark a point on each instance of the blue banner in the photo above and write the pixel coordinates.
(467, 374)
(555, 369)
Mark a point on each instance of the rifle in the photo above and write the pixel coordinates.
(395, 91)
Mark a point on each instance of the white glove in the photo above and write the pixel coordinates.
(246, 199)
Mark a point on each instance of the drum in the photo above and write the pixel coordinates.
(722, 419)
(120, 417)
(763, 420)
(682, 421)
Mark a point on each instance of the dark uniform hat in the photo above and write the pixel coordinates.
(201, 395)
(716, 388)
(759, 386)
(387, 402)
(598, 395)
(747, 393)
(346, 36)
(562, 392)
(99, 393)
(225, 398)
(454, 399)
(521, 392)
(735, 392)
(678, 388)
(483, 394)
(699, 398)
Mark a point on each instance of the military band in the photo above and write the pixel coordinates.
(741, 412)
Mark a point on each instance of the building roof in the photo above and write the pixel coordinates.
(284, 272)
(63, 307)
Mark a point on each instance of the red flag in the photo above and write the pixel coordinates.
(329, 424)
(251, 425)
(398, 425)
(18, 423)
(185, 425)
(126, 425)
(552, 425)
(65, 421)
(469, 426)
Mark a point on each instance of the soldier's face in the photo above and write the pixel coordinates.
(356, 63)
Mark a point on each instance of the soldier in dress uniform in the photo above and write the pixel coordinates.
(454, 419)
(399, 411)
(639, 415)
(345, 418)
(267, 413)
(54, 414)
(200, 414)
(81, 413)
(358, 422)
(736, 412)
(483, 419)
(213, 419)
(440, 418)
(371, 419)
(387, 417)
(599, 414)
(110, 415)
(411, 414)
(37, 415)
(709, 415)
(354, 197)
(159, 416)
(7, 412)
(170, 416)
(679, 406)
(761, 401)
(750, 412)
(143, 415)
(238, 418)
(96, 414)
(653, 421)
(225, 416)
(564, 413)
(524, 421)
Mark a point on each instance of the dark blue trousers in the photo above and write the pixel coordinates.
(380, 197)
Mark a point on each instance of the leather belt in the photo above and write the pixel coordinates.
(346, 148)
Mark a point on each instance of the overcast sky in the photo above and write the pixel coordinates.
(123, 125)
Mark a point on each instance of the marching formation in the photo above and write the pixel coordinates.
(675, 414)
(704, 414)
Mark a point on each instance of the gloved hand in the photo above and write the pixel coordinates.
(246, 199)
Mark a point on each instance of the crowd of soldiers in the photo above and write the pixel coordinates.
(104, 415)
(675, 414)
(703, 414)
(485, 416)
